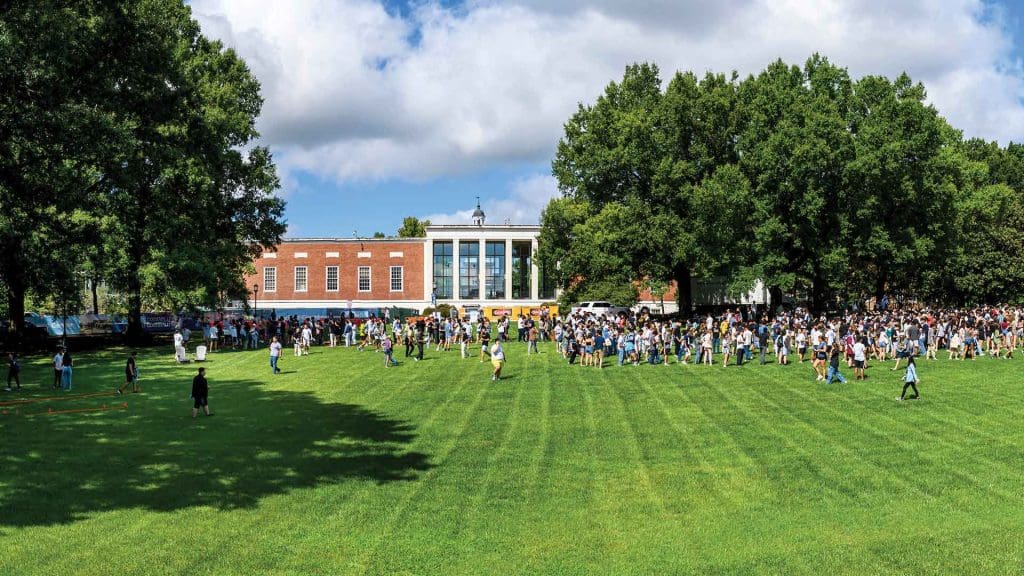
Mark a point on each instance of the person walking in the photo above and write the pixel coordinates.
(200, 394)
(131, 374)
(275, 355)
(13, 371)
(910, 380)
(497, 360)
(833, 365)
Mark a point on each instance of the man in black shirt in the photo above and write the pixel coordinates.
(200, 390)
(833, 365)
(131, 374)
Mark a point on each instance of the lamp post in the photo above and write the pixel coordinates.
(255, 300)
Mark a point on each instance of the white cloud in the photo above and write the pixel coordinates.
(355, 92)
(527, 197)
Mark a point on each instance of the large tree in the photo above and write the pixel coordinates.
(124, 119)
(637, 160)
(53, 131)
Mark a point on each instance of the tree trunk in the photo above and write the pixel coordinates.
(95, 296)
(16, 311)
(818, 289)
(775, 300)
(134, 334)
(684, 289)
(880, 282)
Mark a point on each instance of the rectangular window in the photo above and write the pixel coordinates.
(469, 270)
(522, 269)
(332, 278)
(396, 279)
(300, 279)
(443, 270)
(494, 272)
(547, 281)
(270, 279)
(364, 278)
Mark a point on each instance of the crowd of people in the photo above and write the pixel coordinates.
(828, 344)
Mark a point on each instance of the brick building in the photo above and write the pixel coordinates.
(471, 266)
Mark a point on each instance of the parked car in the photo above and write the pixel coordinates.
(598, 307)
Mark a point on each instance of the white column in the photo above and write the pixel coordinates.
(428, 270)
(455, 270)
(508, 269)
(534, 271)
(482, 270)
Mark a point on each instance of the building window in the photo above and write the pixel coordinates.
(522, 259)
(494, 273)
(364, 278)
(469, 270)
(300, 278)
(443, 270)
(270, 279)
(332, 278)
(546, 280)
(396, 279)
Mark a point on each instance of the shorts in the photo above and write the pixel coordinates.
(498, 364)
(200, 402)
(858, 364)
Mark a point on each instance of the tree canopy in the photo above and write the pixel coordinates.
(129, 155)
(820, 185)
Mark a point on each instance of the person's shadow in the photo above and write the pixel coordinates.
(62, 468)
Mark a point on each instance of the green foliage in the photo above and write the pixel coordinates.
(412, 227)
(138, 160)
(800, 177)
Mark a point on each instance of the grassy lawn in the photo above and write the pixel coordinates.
(339, 466)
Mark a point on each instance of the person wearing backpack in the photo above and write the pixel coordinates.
(13, 371)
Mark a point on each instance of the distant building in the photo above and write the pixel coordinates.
(471, 266)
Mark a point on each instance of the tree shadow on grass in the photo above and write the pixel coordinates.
(154, 456)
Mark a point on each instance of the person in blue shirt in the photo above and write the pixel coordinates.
(910, 380)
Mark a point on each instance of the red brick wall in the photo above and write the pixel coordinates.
(348, 262)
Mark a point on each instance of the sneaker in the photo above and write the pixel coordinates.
(899, 398)
(7, 389)
(118, 391)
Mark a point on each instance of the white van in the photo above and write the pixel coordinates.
(597, 308)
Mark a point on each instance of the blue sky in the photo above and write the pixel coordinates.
(380, 110)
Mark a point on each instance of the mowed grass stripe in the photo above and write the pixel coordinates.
(913, 449)
(374, 559)
(831, 483)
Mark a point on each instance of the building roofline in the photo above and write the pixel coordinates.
(484, 227)
(361, 240)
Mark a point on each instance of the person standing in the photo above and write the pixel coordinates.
(200, 394)
(131, 374)
(497, 360)
(387, 346)
(833, 365)
(860, 357)
(275, 355)
(65, 379)
(13, 371)
(58, 367)
(420, 335)
(910, 380)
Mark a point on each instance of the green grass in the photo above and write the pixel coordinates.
(339, 466)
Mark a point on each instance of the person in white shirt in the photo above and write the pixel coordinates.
(307, 339)
(179, 347)
(58, 366)
(497, 360)
(859, 358)
(275, 354)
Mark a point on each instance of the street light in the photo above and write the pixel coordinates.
(255, 300)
